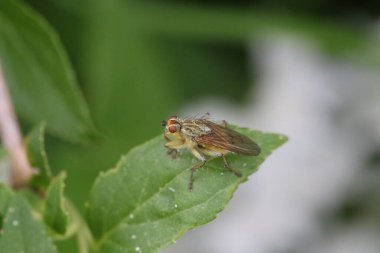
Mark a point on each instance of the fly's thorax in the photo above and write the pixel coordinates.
(193, 128)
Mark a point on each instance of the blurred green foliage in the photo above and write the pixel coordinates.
(41, 80)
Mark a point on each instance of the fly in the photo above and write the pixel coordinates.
(205, 138)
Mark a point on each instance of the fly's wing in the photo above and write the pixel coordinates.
(226, 138)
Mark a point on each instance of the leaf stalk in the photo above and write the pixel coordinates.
(10, 135)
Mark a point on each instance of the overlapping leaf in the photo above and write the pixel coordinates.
(35, 146)
(55, 212)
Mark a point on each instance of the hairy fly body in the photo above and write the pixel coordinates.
(204, 138)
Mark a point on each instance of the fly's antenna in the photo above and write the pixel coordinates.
(206, 115)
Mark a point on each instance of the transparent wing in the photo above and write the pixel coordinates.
(226, 138)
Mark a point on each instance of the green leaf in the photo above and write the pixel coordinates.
(5, 197)
(4, 165)
(144, 203)
(35, 200)
(35, 146)
(40, 77)
(21, 232)
(55, 213)
(197, 23)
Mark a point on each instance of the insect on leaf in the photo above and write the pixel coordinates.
(144, 203)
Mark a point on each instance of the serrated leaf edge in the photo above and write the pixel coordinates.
(229, 193)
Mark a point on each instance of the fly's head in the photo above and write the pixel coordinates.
(172, 125)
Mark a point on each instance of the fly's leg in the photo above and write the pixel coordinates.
(225, 123)
(196, 167)
(173, 146)
(228, 166)
(172, 152)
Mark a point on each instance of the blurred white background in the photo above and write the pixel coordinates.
(330, 111)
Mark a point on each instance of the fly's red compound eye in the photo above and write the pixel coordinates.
(172, 120)
(172, 129)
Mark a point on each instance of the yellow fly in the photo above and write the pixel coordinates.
(206, 138)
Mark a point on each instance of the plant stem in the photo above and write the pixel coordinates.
(83, 234)
(11, 138)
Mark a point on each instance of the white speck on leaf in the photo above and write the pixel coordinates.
(175, 205)
(15, 223)
(133, 237)
(131, 216)
(221, 173)
(172, 189)
(244, 164)
(11, 209)
(138, 249)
